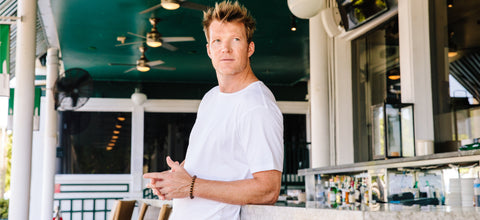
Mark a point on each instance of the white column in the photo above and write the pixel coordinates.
(23, 111)
(416, 85)
(50, 139)
(318, 94)
(137, 150)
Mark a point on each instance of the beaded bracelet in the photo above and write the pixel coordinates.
(191, 186)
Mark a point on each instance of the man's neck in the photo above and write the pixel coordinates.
(235, 83)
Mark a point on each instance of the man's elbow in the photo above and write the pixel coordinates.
(271, 198)
(269, 184)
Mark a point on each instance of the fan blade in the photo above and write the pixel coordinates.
(125, 44)
(177, 39)
(131, 69)
(155, 62)
(151, 9)
(194, 6)
(163, 68)
(136, 35)
(169, 46)
(121, 64)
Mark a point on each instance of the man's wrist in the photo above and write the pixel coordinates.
(192, 185)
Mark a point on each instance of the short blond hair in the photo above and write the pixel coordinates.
(227, 11)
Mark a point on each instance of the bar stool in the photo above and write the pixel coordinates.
(148, 212)
(122, 210)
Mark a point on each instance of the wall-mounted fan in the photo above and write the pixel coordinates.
(73, 89)
(143, 64)
(174, 4)
(155, 39)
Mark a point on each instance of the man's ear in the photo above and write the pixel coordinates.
(251, 48)
(208, 51)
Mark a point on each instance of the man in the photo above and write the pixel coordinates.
(235, 152)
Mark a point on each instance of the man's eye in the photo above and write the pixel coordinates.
(237, 39)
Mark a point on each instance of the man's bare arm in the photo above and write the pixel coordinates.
(264, 188)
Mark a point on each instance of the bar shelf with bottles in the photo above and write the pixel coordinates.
(437, 179)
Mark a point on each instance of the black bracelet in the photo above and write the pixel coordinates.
(191, 186)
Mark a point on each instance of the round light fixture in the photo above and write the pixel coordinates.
(142, 65)
(154, 39)
(145, 68)
(305, 8)
(394, 77)
(138, 98)
(170, 4)
(452, 53)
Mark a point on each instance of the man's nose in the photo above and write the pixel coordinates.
(226, 47)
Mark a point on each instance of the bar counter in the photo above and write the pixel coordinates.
(379, 211)
(312, 210)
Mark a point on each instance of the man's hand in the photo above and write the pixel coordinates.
(174, 183)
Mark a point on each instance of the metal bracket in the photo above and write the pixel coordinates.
(9, 19)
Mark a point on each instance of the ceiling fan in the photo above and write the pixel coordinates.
(155, 39)
(143, 64)
(175, 4)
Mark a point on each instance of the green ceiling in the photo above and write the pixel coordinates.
(88, 32)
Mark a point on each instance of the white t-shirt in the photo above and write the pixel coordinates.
(235, 135)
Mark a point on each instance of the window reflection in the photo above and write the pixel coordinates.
(94, 142)
(376, 85)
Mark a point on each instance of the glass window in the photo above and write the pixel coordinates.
(94, 142)
(295, 141)
(165, 134)
(455, 45)
(376, 92)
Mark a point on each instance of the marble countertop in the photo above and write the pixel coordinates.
(379, 211)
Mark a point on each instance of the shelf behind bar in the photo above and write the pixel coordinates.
(410, 162)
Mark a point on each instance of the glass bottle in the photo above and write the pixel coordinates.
(351, 196)
(346, 193)
(333, 193)
(338, 197)
(319, 190)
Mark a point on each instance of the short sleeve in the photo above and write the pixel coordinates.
(261, 136)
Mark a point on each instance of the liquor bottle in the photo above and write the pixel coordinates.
(346, 192)
(319, 190)
(362, 191)
(476, 191)
(351, 195)
(366, 196)
(333, 193)
(358, 192)
(339, 194)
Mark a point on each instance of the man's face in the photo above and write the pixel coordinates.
(228, 48)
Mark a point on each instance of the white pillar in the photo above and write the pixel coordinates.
(136, 163)
(23, 111)
(416, 83)
(50, 139)
(318, 94)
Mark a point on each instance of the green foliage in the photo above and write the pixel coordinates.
(8, 149)
(3, 208)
